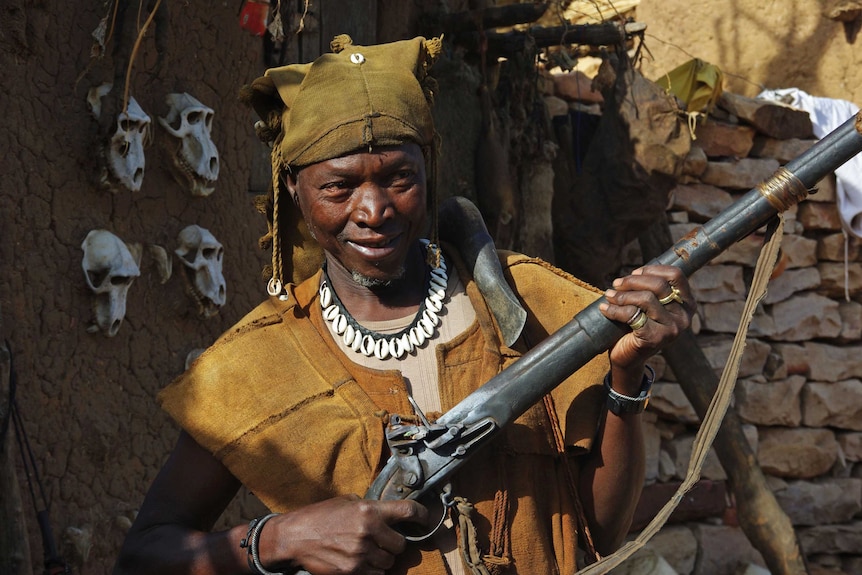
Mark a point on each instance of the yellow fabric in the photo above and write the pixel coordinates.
(293, 419)
(696, 83)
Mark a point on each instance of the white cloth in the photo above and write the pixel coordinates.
(826, 115)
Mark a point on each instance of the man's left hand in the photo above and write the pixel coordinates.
(657, 303)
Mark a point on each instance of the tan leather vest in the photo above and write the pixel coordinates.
(296, 421)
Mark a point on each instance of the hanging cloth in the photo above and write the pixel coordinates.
(696, 83)
(826, 115)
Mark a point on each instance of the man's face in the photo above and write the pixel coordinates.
(366, 209)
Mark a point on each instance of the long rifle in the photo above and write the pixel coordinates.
(425, 455)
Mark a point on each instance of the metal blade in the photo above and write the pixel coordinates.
(461, 224)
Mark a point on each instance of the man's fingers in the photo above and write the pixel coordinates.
(650, 285)
(394, 512)
(404, 510)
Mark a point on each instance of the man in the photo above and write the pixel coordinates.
(293, 402)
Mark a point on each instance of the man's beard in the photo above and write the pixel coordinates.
(375, 283)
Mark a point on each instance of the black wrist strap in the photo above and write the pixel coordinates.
(620, 404)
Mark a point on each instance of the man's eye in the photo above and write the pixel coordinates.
(402, 177)
(337, 185)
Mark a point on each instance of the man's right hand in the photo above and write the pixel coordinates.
(341, 535)
(172, 534)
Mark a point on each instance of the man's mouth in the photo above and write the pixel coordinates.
(375, 249)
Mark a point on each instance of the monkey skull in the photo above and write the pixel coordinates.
(202, 255)
(109, 269)
(195, 157)
(124, 152)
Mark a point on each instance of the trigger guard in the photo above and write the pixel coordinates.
(446, 499)
(430, 533)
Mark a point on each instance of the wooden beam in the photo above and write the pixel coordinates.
(493, 17)
(594, 35)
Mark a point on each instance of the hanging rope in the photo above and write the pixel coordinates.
(135, 48)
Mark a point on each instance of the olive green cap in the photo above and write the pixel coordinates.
(355, 98)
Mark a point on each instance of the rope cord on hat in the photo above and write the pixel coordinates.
(277, 264)
(433, 255)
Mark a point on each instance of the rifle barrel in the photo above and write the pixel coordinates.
(511, 392)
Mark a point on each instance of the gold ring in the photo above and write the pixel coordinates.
(638, 320)
(672, 296)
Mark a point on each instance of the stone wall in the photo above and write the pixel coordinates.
(799, 390)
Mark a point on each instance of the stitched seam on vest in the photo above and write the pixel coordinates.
(270, 421)
(300, 345)
(338, 384)
(273, 317)
(258, 323)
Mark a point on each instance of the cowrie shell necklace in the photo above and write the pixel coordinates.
(383, 346)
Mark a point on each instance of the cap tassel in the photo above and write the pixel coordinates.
(340, 42)
(433, 49)
(275, 286)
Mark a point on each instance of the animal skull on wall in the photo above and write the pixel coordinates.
(123, 154)
(195, 157)
(109, 269)
(202, 255)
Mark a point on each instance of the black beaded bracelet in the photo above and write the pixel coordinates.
(251, 542)
(619, 404)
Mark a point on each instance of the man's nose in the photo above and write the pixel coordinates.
(373, 205)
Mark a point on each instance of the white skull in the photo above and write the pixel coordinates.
(202, 256)
(124, 153)
(195, 158)
(109, 268)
